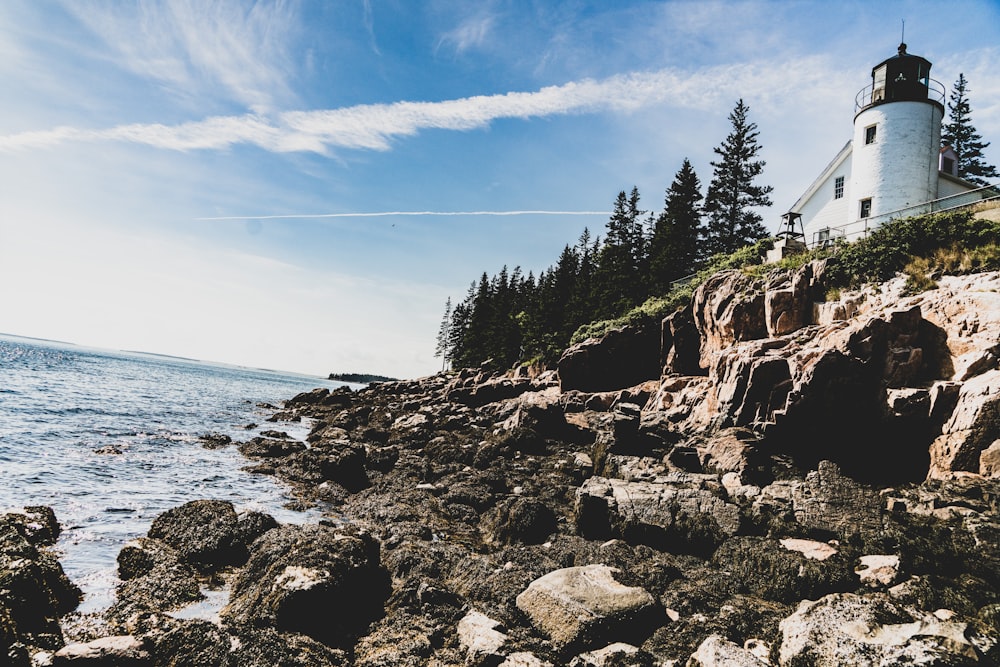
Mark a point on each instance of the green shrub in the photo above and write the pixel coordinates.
(889, 248)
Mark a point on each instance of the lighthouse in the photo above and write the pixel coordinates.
(897, 137)
(894, 164)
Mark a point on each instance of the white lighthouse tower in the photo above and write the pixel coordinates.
(897, 138)
(894, 165)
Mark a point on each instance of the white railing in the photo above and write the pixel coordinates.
(859, 228)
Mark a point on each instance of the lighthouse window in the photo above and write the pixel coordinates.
(866, 208)
(838, 187)
(870, 134)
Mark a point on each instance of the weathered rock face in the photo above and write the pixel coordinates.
(867, 391)
(727, 308)
(580, 606)
(788, 302)
(972, 430)
(294, 572)
(623, 358)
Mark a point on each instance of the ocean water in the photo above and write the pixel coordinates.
(110, 440)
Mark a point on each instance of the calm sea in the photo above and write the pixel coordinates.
(109, 440)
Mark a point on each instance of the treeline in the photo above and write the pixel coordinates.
(511, 317)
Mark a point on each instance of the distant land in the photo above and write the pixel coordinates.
(360, 377)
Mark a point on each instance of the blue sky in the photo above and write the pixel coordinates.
(154, 155)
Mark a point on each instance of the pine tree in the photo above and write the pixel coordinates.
(675, 246)
(962, 136)
(617, 278)
(732, 194)
(443, 348)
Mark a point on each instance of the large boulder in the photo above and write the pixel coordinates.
(676, 513)
(519, 520)
(826, 502)
(584, 607)
(313, 580)
(623, 358)
(205, 532)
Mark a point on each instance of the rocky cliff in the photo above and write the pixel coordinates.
(767, 478)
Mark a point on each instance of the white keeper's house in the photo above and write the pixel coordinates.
(895, 164)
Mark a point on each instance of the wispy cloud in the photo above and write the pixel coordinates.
(369, 21)
(472, 32)
(390, 214)
(375, 126)
(194, 48)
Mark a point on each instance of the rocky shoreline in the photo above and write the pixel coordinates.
(767, 478)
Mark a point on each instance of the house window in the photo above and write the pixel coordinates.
(948, 166)
(838, 187)
(866, 208)
(870, 135)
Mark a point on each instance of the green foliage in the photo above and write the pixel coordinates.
(748, 258)
(675, 246)
(918, 276)
(733, 194)
(889, 248)
(653, 309)
(963, 137)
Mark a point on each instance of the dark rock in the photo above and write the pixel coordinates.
(622, 358)
(205, 532)
(36, 523)
(252, 525)
(680, 344)
(34, 590)
(165, 587)
(192, 643)
(215, 440)
(519, 520)
(679, 517)
(264, 447)
(763, 568)
(142, 554)
(295, 571)
(266, 647)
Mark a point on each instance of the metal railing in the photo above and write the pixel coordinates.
(867, 96)
(859, 228)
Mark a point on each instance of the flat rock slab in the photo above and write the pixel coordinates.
(123, 650)
(671, 512)
(585, 606)
(848, 629)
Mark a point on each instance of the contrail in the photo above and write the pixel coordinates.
(385, 214)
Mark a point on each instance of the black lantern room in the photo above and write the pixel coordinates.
(902, 78)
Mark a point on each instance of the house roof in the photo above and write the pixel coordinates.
(825, 174)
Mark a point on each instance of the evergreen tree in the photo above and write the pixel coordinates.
(732, 194)
(617, 277)
(962, 136)
(443, 348)
(675, 248)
